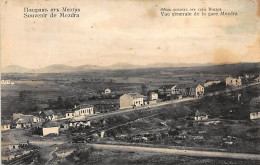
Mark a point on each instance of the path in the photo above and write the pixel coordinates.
(196, 153)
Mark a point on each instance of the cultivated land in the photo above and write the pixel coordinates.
(165, 125)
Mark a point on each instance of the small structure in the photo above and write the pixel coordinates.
(107, 91)
(48, 115)
(211, 82)
(200, 116)
(50, 128)
(81, 110)
(131, 100)
(231, 81)
(152, 96)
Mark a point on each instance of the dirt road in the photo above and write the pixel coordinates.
(195, 153)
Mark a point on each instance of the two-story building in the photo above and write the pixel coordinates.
(196, 91)
(231, 81)
(81, 110)
(131, 100)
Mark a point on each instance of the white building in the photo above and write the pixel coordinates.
(254, 115)
(200, 116)
(107, 91)
(257, 79)
(5, 126)
(231, 81)
(131, 100)
(6, 82)
(153, 96)
(50, 128)
(81, 110)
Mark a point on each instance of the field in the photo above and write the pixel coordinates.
(33, 92)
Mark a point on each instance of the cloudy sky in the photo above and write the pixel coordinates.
(129, 31)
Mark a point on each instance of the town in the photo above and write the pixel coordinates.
(184, 115)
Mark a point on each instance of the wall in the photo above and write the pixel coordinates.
(49, 130)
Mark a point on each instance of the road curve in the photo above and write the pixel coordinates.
(212, 154)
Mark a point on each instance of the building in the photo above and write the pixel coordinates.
(26, 121)
(81, 110)
(6, 82)
(200, 116)
(211, 82)
(167, 90)
(48, 115)
(5, 126)
(131, 100)
(107, 91)
(79, 122)
(254, 114)
(182, 90)
(17, 115)
(196, 91)
(50, 128)
(257, 79)
(152, 96)
(231, 81)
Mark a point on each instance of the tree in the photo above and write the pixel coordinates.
(144, 89)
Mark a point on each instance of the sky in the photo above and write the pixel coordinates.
(129, 31)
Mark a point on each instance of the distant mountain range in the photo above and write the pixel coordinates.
(60, 68)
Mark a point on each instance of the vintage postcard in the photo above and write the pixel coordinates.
(130, 82)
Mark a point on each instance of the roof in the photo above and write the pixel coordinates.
(80, 107)
(167, 86)
(50, 124)
(48, 112)
(135, 95)
(199, 113)
(25, 119)
(210, 80)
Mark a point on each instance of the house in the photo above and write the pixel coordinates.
(17, 115)
(231, 81)
(196, 91)
(48, 115)
(79, 122)
(167, 90)
(26, 121)
(131, 100)
(50, 128)
(6, 82)
(5, 126)
(182, 90)
(81, 110)
(211, 82)
(257, 79)
(200, 116)
(254, 115)
(152, 96)
(107, 91)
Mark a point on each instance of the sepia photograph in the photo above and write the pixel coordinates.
(130, 82)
